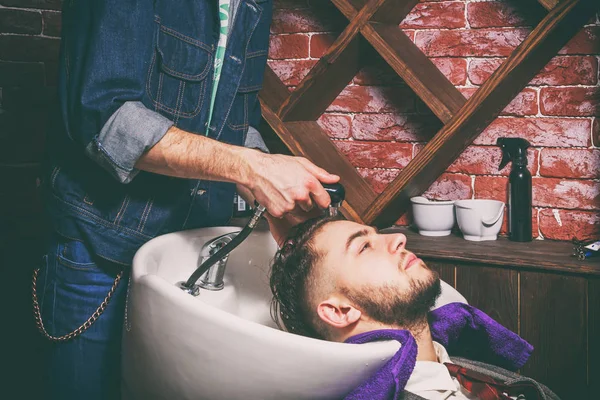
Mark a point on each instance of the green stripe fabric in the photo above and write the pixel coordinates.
(219, 54)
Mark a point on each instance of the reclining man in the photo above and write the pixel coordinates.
(341, 281)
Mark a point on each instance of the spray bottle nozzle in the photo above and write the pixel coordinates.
(513, 149)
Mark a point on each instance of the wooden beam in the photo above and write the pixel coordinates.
(358, 11)
(326, 79)
(553, 32)
(388, 11)
(274, 92)
(423, 77)
(307, 139)
(341, 62)
(393, 11)
(272, 140)
(548, 4)
(349, 7)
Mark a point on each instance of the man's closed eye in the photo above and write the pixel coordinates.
(365, 246)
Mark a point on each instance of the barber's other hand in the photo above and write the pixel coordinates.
(280, 183)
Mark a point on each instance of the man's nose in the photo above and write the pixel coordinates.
(397, 242)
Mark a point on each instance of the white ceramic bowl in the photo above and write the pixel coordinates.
(433, 218)
(479, 219)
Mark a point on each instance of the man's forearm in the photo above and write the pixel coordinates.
(278, 182)
(186, 155)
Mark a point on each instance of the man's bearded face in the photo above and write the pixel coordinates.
(390, 305)
(375, 272)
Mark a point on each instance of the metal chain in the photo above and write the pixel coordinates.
(84, 326)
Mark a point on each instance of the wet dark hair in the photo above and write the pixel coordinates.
(290, 279)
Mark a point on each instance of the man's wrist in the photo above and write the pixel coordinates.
(249, 158)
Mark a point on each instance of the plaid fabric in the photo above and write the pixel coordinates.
(487, 388)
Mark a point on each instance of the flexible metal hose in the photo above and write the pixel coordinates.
(235, 242)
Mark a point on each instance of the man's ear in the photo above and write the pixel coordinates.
(337, 313)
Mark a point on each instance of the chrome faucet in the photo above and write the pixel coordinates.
(213, 278)
(214, 255)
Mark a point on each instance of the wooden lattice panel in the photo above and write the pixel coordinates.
(290, 117)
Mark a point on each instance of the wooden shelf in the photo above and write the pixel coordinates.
(291, 116)
(538, 254)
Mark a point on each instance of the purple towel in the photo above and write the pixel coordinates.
(389, 380)
(463, 330)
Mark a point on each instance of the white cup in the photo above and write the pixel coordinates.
(479, 219)
(433, 218)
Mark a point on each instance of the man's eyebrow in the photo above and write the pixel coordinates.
(356, 235)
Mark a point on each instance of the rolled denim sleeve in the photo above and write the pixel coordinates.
(106, 50)
(130, 131)
(255, 141)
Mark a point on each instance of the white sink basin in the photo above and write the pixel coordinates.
(224, 344)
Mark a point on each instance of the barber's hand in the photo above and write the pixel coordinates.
(280, 227)
(280, 183)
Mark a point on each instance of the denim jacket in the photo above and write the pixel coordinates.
(129, 70)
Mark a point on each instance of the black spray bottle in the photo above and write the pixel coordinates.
(519, 188)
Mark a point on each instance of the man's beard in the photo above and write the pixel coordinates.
(388, 305)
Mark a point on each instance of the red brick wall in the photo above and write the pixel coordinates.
(380, 124)
(377, 120)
